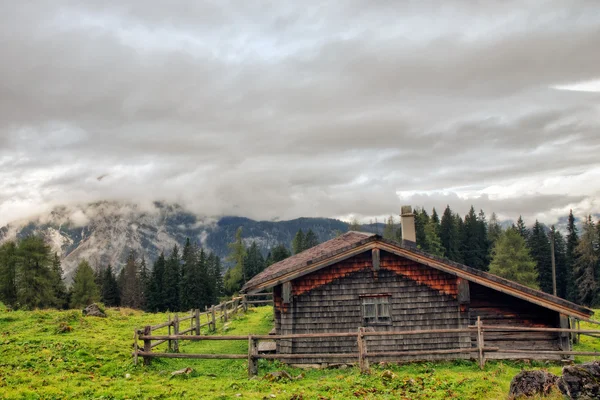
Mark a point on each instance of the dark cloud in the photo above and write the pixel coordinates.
(276, 109)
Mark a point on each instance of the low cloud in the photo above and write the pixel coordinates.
(300, 110)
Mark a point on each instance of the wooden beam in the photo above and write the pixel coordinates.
(286, 292)
(464, 294)
(375, 259)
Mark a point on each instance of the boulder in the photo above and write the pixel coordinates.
(581, 382)
(93, 311)
(532, 383)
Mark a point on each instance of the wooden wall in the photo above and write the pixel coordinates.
(328, 301)
(421, 298)
(496, 308)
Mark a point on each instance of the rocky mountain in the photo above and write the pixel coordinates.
(105, 232)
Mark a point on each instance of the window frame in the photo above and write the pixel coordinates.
(379, 309)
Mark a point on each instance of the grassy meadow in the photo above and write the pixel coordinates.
(50, 354)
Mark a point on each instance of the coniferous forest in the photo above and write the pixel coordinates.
(190, 277)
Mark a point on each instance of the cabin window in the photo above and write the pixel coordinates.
(375, 309)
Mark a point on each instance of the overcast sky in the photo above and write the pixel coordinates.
(316, 108)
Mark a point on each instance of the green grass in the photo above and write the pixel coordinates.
(41, 358)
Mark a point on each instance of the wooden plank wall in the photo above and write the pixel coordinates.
(497, 308)
(328, 301)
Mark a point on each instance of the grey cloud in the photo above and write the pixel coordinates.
(275, 109)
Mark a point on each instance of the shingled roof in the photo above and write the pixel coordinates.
(352, 243)
(324, 250)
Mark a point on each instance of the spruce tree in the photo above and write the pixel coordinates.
(421, 220)
(278, 253)
(522, 229)
(435, 220)
(143, 282)
(58, 284)
(494, 230)
(560, 257)
(310, 240)
(460, 233)
(171, 281)
(449, 237)
(298, 242)
(354, 225)
(511, 259)
(389, 230)
(155, 300)
(571, 258)
(131, 288)
(234, 277)
(34, 274)
(84, 291)
(110, 290)
(474, 237)
(8, 273)
(432, 240)
(539, 246)
(254, 261)
(189, 275)
(586, 263)
(215, 275)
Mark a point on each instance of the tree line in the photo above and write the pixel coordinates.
(248, 261)
(518, 253)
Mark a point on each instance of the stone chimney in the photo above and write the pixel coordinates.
(407, 220)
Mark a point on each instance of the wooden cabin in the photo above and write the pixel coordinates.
(362, 280)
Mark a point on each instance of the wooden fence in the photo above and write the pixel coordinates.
(362, 355)
(176, 325)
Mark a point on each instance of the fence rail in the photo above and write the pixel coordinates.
(363, 355)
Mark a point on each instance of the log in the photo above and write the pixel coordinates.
(426, 352)
(163, 325)
(147, 345)
(308, 355)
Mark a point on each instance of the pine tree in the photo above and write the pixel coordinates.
(234, 277)
(8, 273)
(474, 235)
(34, 274)
(484, 243)
(571, 258)
(155, 301)
(494, 230)
(279, 253)
(421, 220)
(460, 233)
(171, 281)
(435, 219)
(522, 229)
(215, 278)
(432, 240)
(310, 240)
(539, 246)
(298, 242)
(57, 283)
(131, 287)
(354, 225)
(560, 257)
(389, 230)
(84, 291)
(511, 259)
(109, 289)
(143, 282)
(254, 261)
(189, 276)
(449, 237)
(586, 263)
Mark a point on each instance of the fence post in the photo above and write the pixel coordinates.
(176, 332)
(578, 335)
(363, 363)
(225, 312)
(170, 342)
(135, 346)
(214, 322)
(252, 360)
(244, 303)
(480, 343)
(197, 318)
(147, 344)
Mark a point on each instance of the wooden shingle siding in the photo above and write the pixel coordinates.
(329, 301)
(496, 308)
